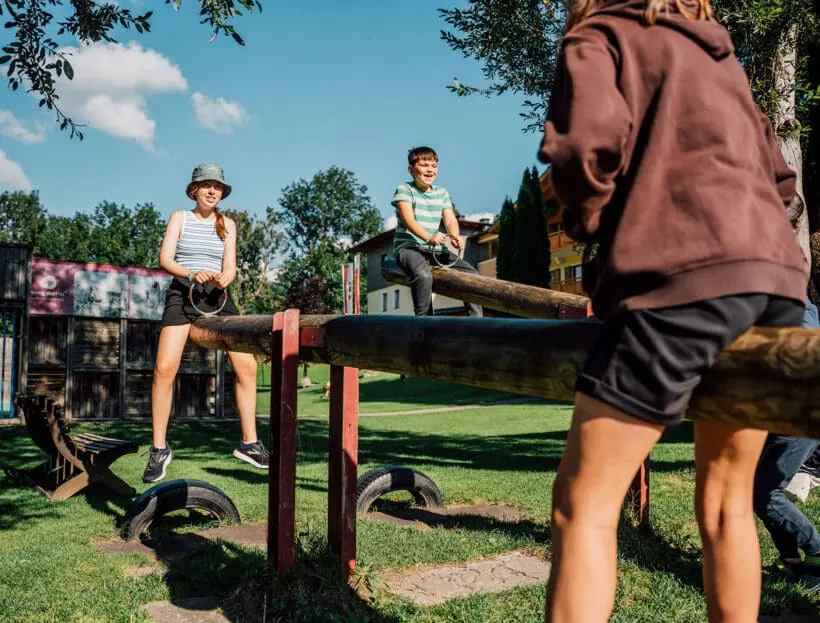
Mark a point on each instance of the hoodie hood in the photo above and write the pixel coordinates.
(709, 35)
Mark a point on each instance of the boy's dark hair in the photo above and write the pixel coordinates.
(417, 153)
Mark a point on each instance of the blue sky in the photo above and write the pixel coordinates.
(352, 84)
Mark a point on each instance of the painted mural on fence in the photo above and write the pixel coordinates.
(96, 290)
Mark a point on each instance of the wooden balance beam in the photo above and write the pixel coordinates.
(506, 296)
(768, 378)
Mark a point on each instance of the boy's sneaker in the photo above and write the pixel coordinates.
(158, 460)
(254, 453)
(809, 567)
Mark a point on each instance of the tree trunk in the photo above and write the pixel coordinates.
(812, 160)
(785, 123)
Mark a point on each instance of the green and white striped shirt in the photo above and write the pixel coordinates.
(427, 209)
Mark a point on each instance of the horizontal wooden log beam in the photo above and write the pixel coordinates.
(768, 378)
(506, 296)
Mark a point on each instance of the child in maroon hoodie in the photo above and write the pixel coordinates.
(661, 157)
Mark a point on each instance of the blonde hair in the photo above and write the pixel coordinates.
(220, 218)
(582, 9)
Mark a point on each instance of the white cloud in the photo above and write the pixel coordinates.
(390, 222)
(11, 174)
(478, 216)
(218, 115)
(12, 127)
(111, 85)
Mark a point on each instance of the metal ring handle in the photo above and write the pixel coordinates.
(204, 313)
(441, 264)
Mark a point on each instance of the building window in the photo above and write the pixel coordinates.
(383, 259)
(384, 301)
(555, 275)
(572, 273)
(396, 298)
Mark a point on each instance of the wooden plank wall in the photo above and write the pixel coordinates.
(46, 357)
(103, 369)
(13, 272)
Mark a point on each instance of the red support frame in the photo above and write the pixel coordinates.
(639, 497)
(282, 472)
(343, 465)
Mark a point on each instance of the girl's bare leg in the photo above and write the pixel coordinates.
(605, 448)
(244, 367)
(725, 462)
(169, 354)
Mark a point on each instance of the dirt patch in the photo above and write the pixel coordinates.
(195, 610)
(448, 517)
(176, 545)
(431, 585)
(138, 572)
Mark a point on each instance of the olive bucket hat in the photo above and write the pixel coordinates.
(208, 172)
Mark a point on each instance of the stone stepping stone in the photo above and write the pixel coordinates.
(432, 585)
(194, 610)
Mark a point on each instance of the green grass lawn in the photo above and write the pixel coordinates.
(50, 569)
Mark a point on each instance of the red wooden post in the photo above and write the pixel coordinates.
(639, 496)
(282, 472)
(343, 465)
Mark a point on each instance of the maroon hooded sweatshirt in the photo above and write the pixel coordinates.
(660, 155)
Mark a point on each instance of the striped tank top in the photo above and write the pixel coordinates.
(199, 247)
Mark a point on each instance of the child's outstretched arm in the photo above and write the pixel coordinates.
(588, 125)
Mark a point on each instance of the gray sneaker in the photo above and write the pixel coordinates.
(254, 453)
(158, 460)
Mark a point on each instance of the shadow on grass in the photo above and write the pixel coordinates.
(249, 591)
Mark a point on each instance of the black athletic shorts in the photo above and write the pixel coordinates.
(178, 308)
(648, 362)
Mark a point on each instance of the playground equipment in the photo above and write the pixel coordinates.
(513, 298)
(448, 256)
(766, 379)
(385, 479)
(177, 495)
(199, 292)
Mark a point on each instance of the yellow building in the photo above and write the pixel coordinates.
(565, 253)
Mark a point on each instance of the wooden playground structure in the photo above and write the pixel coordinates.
(768, 378)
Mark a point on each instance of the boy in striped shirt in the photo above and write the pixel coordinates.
(420, 209)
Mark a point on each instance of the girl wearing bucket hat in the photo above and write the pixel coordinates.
(199, 250)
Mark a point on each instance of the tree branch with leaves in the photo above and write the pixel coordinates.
(34, 59)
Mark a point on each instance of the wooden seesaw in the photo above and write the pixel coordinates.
(768, 379)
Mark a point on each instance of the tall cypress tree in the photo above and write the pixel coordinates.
(530, 255)
(506, 241)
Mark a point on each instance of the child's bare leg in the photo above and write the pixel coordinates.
(244, 367)
(725, 461)
(604, 450)
(169, 353)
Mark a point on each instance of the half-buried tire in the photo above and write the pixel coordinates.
(173, 496)
(380, 481)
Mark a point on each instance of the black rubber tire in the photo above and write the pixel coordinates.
(375, 483)
(173, 496)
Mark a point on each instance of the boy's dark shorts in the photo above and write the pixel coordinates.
(178, 308)
(648, 362)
